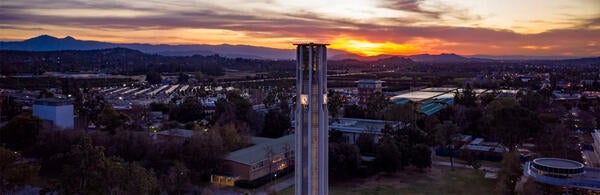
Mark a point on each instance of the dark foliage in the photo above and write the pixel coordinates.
(153, 77)
(21, 131)
(276, 124)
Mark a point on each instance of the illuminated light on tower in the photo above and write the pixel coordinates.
(311, 132)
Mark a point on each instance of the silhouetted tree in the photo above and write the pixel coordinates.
(153, 78)
(21, 131)
(366, 144)
(9, 108)
(335, 101)
(388, 156)
(177, 180)
(512, 125)
(336, 136)
(510, 173)
(232, 108)
(446, 133)
(375, 104)
(466, 97)
(400, 112)
(344, 160)
(110, 120)
(14, 171)
(183, 78)
(189, 110)
(276, 124)
(421, 156)
(353, 111)
(205, 152)
(159, 107)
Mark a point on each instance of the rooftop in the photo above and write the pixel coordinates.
(370, 81)
(558, 163)
(186, 133)
(356, 125)
(52, 102)
(258, 151)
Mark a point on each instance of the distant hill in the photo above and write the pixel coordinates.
(50, 43)
(429, 58)
(524, 58)
(127, 61)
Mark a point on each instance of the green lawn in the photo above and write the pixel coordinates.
(438, 180)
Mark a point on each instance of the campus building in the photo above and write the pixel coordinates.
(366, 88)
(311, 120)
(563, 176)
(429, 101)
(352, 128)
(58, 112)
(266, 157)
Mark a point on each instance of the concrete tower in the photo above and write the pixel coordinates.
(311, 120)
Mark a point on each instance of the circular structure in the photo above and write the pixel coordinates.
(557, 167)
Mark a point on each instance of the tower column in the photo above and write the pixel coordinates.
(311, 132)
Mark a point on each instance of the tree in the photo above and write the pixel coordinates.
(421, 157)
(9, 108)
(532, 101)
(400, 112)
(512, 125)
(81, 172)
(335, 101)
(189, 110)
(471, 158)
(232, 108)
(232, 138)
(344, 160)
(510, 173)
(446, 134)
(555, 141)
(44, 93)
(127, 178)
(353, 111)
(199, 76)
(375, 105)
(91, 107)
(388, 156)
(499, 104)
(276, 124)
(128, 145)
(159, 107)
(136, 179)
(139, 115)
(14, 172)
(183, 78)
(153, 78)
(466, 97)
(110, 120)
(86, 170)
(204, 154)
(21, 131)
(177, 180)
(366, 144)
(336, 136)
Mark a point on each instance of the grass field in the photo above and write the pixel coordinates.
(437, 180)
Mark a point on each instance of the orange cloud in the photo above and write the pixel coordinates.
(368, 48)
(536, 47)
(416, 45)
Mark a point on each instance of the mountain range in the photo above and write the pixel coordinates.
(50, 43)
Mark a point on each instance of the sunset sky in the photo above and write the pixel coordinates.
(365, 27)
